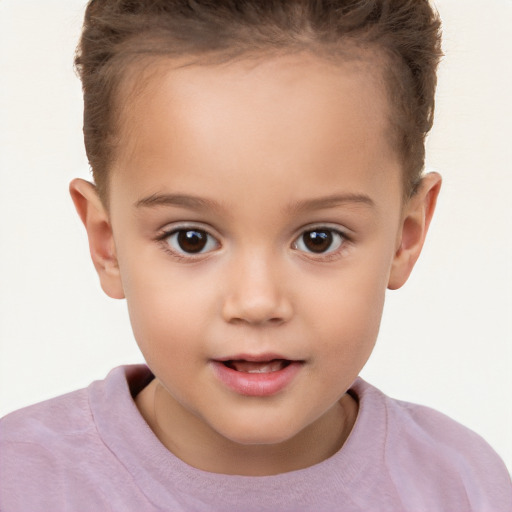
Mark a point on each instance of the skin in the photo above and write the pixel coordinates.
(273, 147)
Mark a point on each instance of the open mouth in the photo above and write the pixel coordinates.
(240, 365)
(257, 375)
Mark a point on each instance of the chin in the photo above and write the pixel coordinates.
(259, 440)
(258, 434)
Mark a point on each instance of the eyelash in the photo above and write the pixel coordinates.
(330, 254)
(164, 237)
(180, 254)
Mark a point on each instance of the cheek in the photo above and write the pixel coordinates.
(352, 298)
(166, 333)
(345, 317)
(346, 338)
(350, 331)
(165, 309)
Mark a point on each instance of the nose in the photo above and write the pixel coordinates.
(256, 293)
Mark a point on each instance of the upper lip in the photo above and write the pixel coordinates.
(254, 358)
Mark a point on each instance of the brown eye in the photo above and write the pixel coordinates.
(191, 241)
(319, 241)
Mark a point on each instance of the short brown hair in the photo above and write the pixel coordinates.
(118, 33)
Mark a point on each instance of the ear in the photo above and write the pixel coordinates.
(416, 219)
(99, 230)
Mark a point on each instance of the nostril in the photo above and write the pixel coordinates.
(257, 321)
(256, 305)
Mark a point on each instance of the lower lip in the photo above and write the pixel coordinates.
(256, 384)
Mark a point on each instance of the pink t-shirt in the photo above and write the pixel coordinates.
(92, 451)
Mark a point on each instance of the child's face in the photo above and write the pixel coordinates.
(257, 216)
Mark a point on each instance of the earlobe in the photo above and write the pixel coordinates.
(415, 222)
(99, 231)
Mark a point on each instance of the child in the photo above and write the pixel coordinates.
(258, 186)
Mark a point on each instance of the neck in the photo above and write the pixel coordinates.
(198, 445)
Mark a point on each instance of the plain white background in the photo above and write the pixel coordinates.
(446, 337)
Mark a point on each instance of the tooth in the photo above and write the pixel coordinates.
(253, 367)
(264, 369)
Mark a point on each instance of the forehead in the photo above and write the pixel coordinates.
(276, 116)
(283, 80)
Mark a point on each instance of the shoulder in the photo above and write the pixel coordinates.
(65, 415)
(425, 427)
(424, 449)
(38, 445)
(52, 452)
(47, 436)
(74, 415)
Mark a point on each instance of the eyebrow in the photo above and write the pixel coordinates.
(183, 200)
(323, 203)
(200, 203)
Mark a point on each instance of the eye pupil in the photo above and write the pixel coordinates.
(318, 240)
(192, 240)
